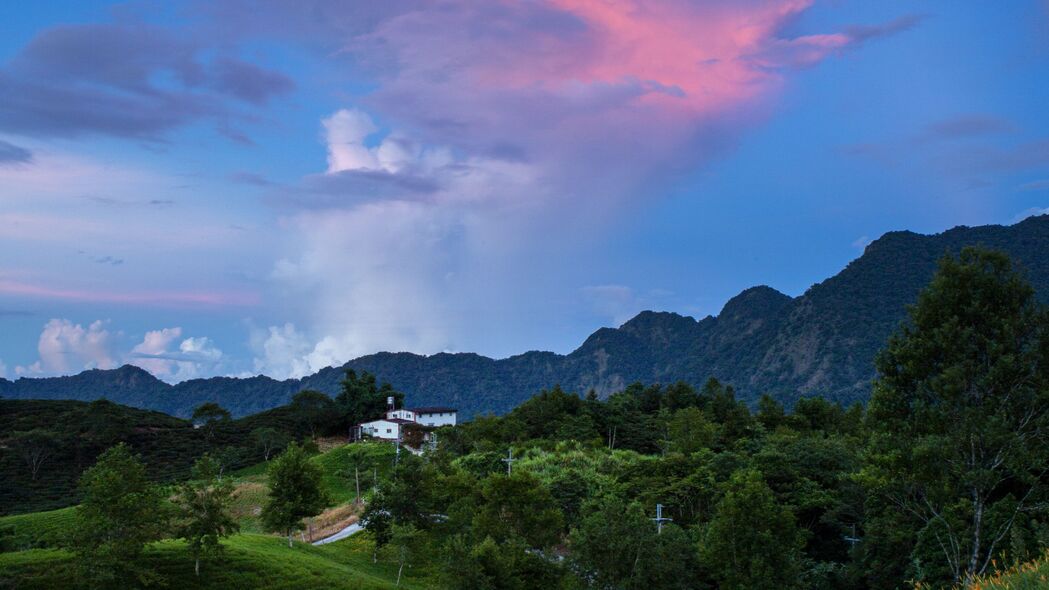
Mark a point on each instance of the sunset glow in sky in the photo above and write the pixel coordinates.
(253, 186)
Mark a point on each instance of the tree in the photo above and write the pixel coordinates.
(616, 546)
(752, 542)
(405, 540)
(268, 439)
(518, 506)
(295, 492)
(313, 409)
(690, 431)
(207, 416)
(120, 513)
(203, 509)
(960, 412)
(361, 399)
(35, 447)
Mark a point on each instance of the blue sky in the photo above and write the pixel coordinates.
(239, 188)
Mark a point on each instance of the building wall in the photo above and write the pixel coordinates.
(438, 419)
(402, 414)
(382, 429)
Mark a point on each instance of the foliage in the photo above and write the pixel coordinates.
(120, 513)
(203, 510)
(960, 415)
(295, 492)
(751, 543)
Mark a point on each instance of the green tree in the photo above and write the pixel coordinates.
(35, 447)
(120, 513)
(959, 413)
(207, 416)
(752, 542)
(313, 409)
(268, 440)
(295, 492)
(361, 399)
(405, 540)
(518, 506)
(690, 431)
(616, 546)
(203, 511)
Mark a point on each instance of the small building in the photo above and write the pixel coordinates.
(391, 427)
(435, 416)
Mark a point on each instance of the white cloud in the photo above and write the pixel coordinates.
(65, 347)
(1032, 212)
(193, 357)
(861, 242)
(281, 352)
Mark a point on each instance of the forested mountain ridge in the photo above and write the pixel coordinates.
(820, 343)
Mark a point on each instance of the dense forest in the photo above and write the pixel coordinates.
(941, 480)
(822, 343)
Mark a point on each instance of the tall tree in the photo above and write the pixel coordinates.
(314, 409)
(361, 399)
(960, 411)
(120, 513)
(207, 416)
(35, 447)
(752, 542)
(295, 492)
(616, 546)
(203, 511)
(268, 439)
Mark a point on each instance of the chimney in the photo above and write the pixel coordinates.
(389, 404)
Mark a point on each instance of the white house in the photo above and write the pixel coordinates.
(390, 427)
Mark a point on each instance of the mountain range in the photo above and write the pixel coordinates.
(822, 342)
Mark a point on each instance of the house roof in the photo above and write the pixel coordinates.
(433, 410)
(392, 420)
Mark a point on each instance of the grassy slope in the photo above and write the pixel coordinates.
(254, 560)
(251, 561)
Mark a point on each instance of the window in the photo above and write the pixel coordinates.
(387, 431)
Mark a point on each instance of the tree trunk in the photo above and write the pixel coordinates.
(399, 569)
(196, 566)
(289, 538)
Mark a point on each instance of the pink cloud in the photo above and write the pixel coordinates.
(217, 299)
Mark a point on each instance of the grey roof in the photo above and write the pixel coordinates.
(433, 410)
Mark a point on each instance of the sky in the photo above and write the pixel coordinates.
(271, 187)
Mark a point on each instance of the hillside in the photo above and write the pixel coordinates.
(78, 432)
(820, 343)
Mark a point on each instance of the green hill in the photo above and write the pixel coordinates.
(80, 431)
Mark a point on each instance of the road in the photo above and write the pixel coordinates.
(346, 532)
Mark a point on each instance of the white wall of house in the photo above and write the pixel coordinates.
(383, 429)
(436, 418)
(402, 414)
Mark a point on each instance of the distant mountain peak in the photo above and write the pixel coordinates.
(758, 300)
(822, 342)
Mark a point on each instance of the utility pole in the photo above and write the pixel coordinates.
(660, 519)
(853, 539)
(509, 460)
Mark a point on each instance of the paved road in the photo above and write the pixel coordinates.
(346, 532)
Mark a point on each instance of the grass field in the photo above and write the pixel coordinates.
(251, 561)
(36, 529)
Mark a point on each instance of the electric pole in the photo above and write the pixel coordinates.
(660, 519)
(509, 460)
